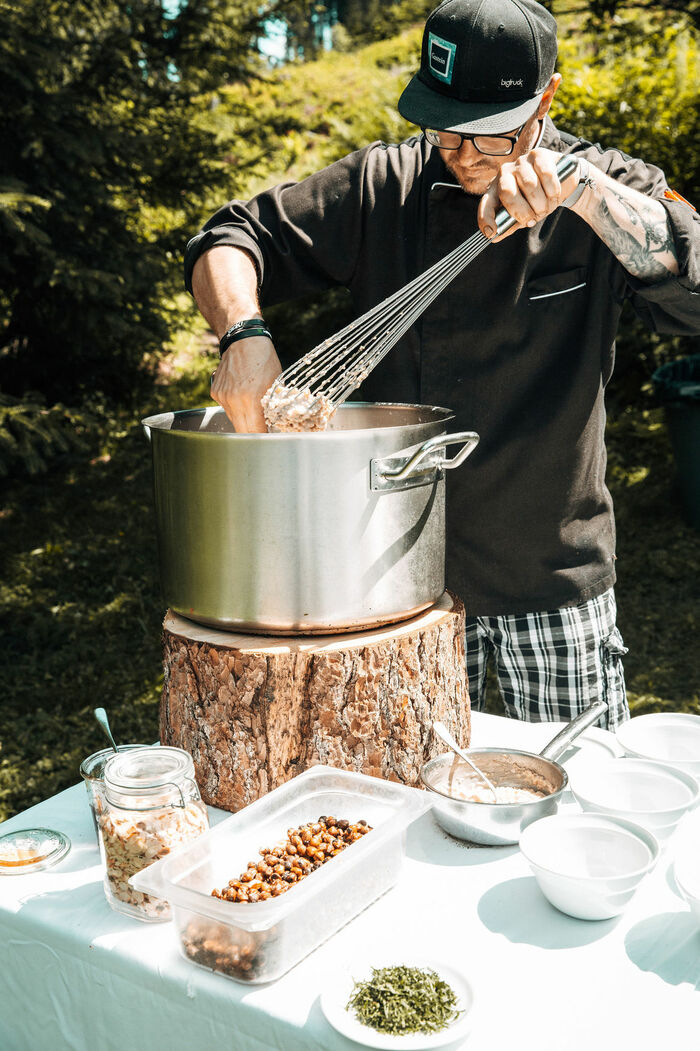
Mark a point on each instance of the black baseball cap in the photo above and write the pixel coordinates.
(484, 66)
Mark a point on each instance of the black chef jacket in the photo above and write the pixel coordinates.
(520, 346)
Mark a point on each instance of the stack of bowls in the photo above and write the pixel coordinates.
(669, 737)
(653, 795)
(587, 865)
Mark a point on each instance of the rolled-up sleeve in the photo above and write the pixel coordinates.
(673, 305)
(303, 237)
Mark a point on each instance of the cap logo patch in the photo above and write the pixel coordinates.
(441, 57)
(511, 83)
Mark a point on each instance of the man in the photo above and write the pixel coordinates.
(520, 345)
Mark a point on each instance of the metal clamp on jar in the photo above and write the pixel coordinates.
(152, 806)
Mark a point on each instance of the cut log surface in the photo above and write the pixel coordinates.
(255, 710)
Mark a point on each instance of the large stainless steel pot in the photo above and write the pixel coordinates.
(303, 533)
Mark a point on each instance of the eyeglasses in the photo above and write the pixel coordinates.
(491, 145)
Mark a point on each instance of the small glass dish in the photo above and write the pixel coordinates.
(31, 850)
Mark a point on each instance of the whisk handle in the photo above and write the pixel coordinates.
(504, 220)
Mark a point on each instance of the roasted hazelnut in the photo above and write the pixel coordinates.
(307, 848)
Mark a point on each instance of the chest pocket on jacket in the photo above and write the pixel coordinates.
(552, 287)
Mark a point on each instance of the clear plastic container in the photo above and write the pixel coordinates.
(151, 808)
(259, 941)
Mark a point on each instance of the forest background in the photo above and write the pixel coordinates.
(124, 125)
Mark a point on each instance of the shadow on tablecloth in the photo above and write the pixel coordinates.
(517, 909)
(667, 944)
(427, 841)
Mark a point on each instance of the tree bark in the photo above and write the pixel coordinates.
(254, 710)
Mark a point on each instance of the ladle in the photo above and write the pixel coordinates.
(445, 735)
(101, 716)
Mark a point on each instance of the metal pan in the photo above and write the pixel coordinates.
(500, 824)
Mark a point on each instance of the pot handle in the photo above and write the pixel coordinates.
(401, 472)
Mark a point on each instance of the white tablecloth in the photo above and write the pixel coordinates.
(76, 975)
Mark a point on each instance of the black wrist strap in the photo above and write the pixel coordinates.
(241, 330)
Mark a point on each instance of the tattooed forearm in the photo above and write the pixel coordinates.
(641, 240)
(634, 227)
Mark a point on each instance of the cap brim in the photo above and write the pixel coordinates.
(429, 109)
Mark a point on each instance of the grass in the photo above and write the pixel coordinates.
(80, 609)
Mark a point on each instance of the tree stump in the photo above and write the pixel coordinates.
(255, 710)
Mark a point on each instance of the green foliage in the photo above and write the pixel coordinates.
(80, 607)
(601, 13)
(349, 23)
(643, 97)
(32, 435)
(636, 87)
(104, 160)
(303, 117)
(370, 20)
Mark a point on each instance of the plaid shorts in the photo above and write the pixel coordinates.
(551, 665)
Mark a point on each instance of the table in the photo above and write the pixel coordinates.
(76, 975)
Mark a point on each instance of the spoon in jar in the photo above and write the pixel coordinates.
(445, 735)
(101, 716)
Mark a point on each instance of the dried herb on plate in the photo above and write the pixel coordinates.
(401, 1000)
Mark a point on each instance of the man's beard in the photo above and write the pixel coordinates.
(475, 180)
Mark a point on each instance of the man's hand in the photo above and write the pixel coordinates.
(246, 371)
(224, 283)
(529, 189)
(634, 226)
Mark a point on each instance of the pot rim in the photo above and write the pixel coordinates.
(502, 751)
(442, 415)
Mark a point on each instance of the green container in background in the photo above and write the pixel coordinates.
(677, 387)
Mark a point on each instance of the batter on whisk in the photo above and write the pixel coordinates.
(291, 409)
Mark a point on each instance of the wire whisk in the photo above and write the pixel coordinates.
(306, 394)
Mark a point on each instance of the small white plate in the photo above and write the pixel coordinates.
(335, 997)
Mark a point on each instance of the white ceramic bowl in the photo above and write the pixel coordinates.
(686, 871)
(654, 795)
(669, 737)
(588, 865)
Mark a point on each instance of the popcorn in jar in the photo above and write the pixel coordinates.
(151, 808)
